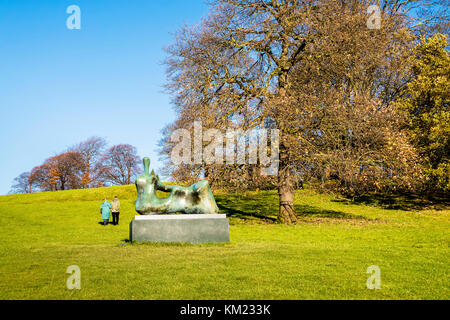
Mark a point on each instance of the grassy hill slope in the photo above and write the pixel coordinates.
(325, 256)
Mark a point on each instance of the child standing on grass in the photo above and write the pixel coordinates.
(105, 210)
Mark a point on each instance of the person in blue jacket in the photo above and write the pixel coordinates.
(105, 210)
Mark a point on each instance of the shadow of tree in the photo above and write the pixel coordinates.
(303, 211)
(255, 207)
(398, 201)
(263, 208)
(244, 215)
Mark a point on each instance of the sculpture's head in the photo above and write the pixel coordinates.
(145, 185)
(146, 162)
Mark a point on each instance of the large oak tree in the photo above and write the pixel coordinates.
(248, 64)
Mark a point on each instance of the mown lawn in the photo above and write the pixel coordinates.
(325, 256)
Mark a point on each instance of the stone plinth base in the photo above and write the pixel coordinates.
(192, 228)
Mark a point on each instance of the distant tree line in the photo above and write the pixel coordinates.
(359, 109)
(89, 164)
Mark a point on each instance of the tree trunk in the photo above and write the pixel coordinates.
(286, 213)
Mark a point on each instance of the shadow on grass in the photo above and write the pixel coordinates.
(156, 244)
(405, 202)
(306, 211)
(126, 242)
(263, 208)
(253, 208)
(244, 215)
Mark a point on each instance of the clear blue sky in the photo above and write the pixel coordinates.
(59, 87)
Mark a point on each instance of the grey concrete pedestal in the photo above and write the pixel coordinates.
(191, 228)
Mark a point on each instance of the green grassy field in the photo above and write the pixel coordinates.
(324, 256)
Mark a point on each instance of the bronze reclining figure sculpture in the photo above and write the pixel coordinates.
(196, 199)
